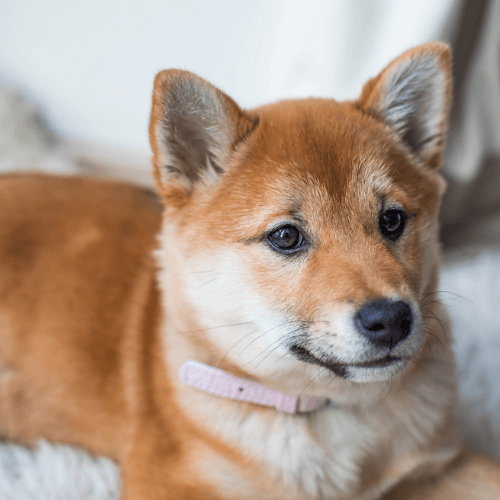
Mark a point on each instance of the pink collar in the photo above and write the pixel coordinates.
(218, 382)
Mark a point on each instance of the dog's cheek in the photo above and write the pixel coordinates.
(282, 281)
(430, 260)
(418, 254)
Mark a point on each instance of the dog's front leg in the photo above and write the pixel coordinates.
(160, 466)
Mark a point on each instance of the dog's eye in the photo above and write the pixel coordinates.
(286, 239)
(392, 223)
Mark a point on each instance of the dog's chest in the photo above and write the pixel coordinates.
(334, 453)
(301, 462)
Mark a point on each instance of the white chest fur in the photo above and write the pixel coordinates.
(324, 455)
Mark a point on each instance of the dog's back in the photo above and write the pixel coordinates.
(72, 253)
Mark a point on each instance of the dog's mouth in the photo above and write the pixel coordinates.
(346, 370)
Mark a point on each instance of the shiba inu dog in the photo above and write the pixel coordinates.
(276, 333)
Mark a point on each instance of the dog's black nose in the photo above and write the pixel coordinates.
(384, 322)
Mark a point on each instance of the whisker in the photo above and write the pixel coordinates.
(284, 338)
(444, 291)
(242, 338)
(206, 283)
(430, 349)
(284, 355)
(270, 330)
(221, 326)
(435, 318)
(434, 301)
(288, 339)
(430, 332)
(195, 272)
(312, 380)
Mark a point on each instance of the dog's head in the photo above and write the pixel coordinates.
(304, 233)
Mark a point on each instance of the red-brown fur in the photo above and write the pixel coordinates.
(92, 332)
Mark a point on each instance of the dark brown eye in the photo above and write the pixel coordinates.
(392, 223)
(286, 239)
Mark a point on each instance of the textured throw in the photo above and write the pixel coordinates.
(51, 472)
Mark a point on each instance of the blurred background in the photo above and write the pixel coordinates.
(75, 88)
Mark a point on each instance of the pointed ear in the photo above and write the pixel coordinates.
(413, 96)
(194, 129)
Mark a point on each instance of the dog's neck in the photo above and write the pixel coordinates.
(221, 383)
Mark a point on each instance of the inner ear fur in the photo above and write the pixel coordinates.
(194, 129)
(413, 96)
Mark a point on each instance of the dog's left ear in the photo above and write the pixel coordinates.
(413, 96)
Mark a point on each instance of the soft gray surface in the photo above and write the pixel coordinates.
(474, 274)
(26, 142)
(55, 473)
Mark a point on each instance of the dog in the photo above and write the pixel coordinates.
(272, 328)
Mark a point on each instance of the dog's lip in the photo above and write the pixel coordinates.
(339, 368)
(377, 363)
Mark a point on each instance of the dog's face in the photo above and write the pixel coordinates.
(304, 234)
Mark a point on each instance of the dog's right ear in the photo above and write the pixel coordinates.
(194, 130)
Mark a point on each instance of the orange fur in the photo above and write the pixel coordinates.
(102, 300)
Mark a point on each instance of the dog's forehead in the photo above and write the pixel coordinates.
(322, 137)
(308, 145)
